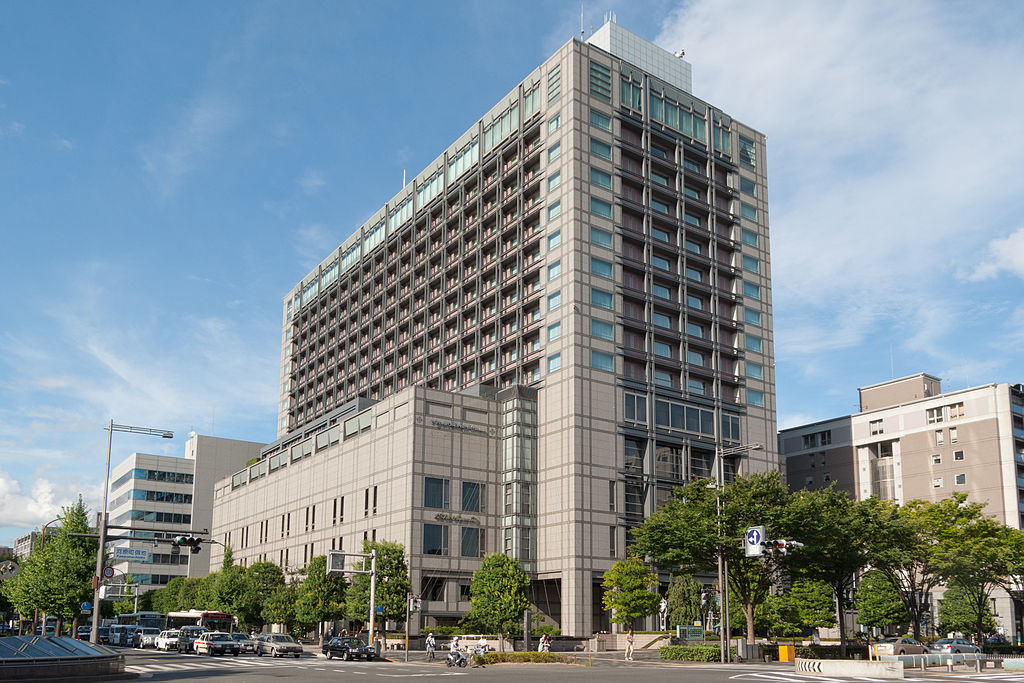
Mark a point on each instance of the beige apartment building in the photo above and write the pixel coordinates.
(597, 241)
(911, 441)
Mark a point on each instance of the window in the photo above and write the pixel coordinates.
(755, 371)
(601, 149)
(659, 234)
(695, 386)
(660, 179)
(937, 483)
(602, 361)
(748, 212)
(553, 123)
(748, 187)
(755, 398)
(435, 539)
(660, 207)
(754, 344)
(554, 151)
(600, 120)
(555, 362)
(875, 427)
(749, 237)
(690, 219)
(661, 291)
(660, 262)
(470, 546)
(554, 240)
(600, 207)
(693, 166)
(662, 320)
(750, 263)
(694, 274)
(952, 435)
(636, 408)
(611, 538)
(934, 415)
(664, 379)
(471, 496)
(956, 411)
(554, 181)
(602, 329)
(662, 349)
(960, 479)
(958, 455)
(751, 290)
(601, 299)
(751, 316)
(554, 331)
(600, 84)
(937, 459)
(554, 83)
(748, 155)
(554, 270)
(692, 193)
(695, 330)
(600, 268)
(436, 493)
(693, 247)
(555, 210)
(601, 238)
(600, 178)
(554, 301)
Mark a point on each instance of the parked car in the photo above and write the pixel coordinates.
(103, 635)
(245, 643)
(997, 639)
(948, 645)
(900, 646)
(348, 648)
(187, 635)
(216, 643)
(146, 636)
(83, 633)
(277, 644)
(117, 634)
(167, 640)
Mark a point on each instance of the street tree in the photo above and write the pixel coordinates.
(321, 598)
(878, 603)
(126, 605)
(392, 584)
(958, 612)
(630, 590)
(498, 595)
(687, 534)
(814, 601)
(834, 530)
(279, 606)
(263, 579)
(686, 600)
(67, 566)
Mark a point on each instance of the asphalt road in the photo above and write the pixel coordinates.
(609, 666)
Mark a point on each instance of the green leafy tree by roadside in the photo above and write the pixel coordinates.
(279, 606)
(498, 594)
(684, 598)
(320, 598)
(263, 579)
(687, 533)
(126, 605)
(958, 612)
(392, 584)
(878, 604)
(814, 601)
(630, 591)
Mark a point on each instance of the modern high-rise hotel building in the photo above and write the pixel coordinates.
(562, 318)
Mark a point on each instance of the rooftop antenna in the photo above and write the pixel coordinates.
(581, 21)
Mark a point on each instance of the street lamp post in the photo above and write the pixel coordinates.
(111, 428)
(723, 563)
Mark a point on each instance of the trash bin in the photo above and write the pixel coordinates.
(787, 653)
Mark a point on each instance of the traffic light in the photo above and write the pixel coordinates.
(194, 542)
(781, 545)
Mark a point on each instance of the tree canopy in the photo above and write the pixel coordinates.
(630, 590)
(498, 594)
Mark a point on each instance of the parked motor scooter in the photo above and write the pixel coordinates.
(457, 658)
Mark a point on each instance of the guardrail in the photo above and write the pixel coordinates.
(949, 660)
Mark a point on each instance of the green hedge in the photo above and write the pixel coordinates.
(1002, 649)
(519, 658)
(693, 653)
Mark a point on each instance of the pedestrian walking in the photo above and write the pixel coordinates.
(546, 642)
(431, 646)
(629, 646)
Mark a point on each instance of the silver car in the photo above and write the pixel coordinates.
(277, 645)
(950, 645)
(246, 643)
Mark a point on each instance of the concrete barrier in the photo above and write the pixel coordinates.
(850, 667)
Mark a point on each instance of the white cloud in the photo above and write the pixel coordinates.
(12, 129)
(39, 502)
(1004, 254)
(179, 151)
(311, 181)
(61, 144)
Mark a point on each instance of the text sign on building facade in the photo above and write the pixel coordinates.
(133, 554)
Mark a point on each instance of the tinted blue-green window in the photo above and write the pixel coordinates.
(554, 123)
(660, 262)
(755, 371)
(554, 270)
(751, 290)
(663, 379)
(695, 330)
(755, 398)
(600, 178)
(693, 247)
(695, 302)
(694, 274)
(601, 149)
(692, 220)
(554, 151)
(660, 179)
(755, 344)
(661, 291)
(747, 211)
(600, 268)
(601, 298)
(749, 237)
(554, 362)
(555, 210)
(752, 317)
(554, 239)
(748, 187)
(695, 358)
(750, 263)
(602, 329)
(600, 120)
(695, 386)
(600, 237)
(600, 207)
(659, 234)
(660, 207)
(662, 349)
(692, 193)
(554, 331)
(555, 180)
(602, 361)
(662, 320)
(554, 301)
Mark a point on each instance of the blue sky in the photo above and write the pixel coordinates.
(168, 171)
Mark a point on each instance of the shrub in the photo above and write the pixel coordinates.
(520, 657)
(693, 653)
(1002, 649)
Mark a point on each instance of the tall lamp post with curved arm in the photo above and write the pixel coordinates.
(723, 563)
(111, 428)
